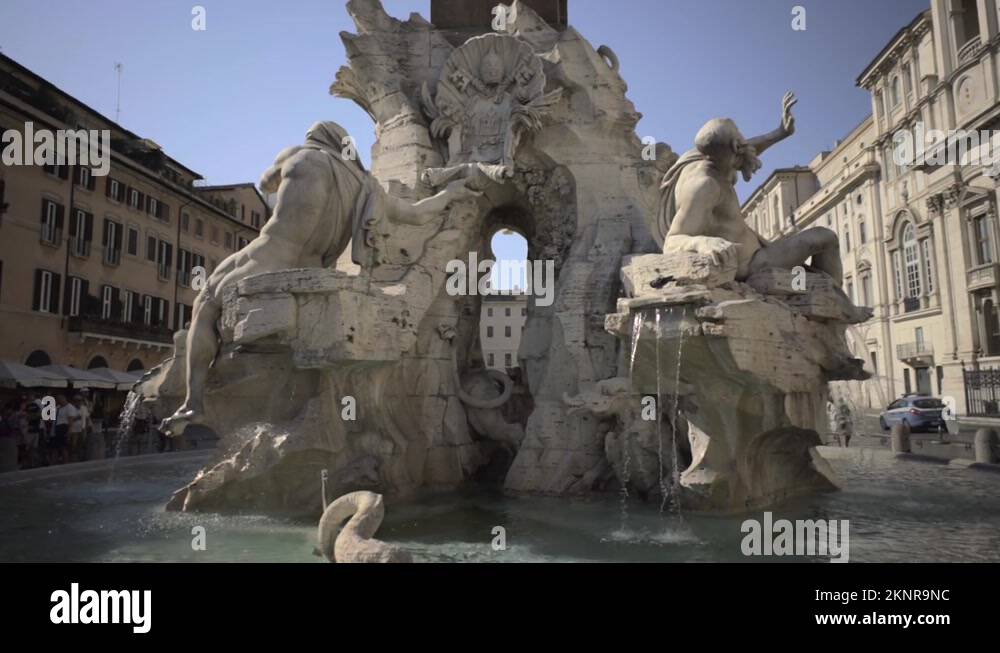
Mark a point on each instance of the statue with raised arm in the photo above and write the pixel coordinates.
(700, 212)
(325, 201)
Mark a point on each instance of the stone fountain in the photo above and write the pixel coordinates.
(370, 369)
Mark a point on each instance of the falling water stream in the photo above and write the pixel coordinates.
(677, 414)
(126, 423)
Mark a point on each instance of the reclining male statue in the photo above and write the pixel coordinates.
(700, 212)
(324, 202)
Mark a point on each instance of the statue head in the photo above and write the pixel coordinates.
(491, 68)
(722, 142)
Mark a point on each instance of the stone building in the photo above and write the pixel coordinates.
(97, 271)
(919, 234)
(500, 326)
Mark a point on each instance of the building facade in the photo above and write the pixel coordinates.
(919, 233)
(501, 322)
(100, 271)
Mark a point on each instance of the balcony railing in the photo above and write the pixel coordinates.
(982, 276)
(913, 350)
(911, 304)
(966, 51)
(116, 329)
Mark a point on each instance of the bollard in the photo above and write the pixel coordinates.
(900, 438)
(986, 446)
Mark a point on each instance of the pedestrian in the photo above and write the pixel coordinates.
(845, 423)
(77, 429)
(66, 414)
(10, 432)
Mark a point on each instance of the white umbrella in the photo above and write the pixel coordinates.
(14, 374)
(80, 378)
(122, 380)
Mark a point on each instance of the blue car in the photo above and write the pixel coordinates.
(919, 412)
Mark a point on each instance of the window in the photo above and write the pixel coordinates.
(133, 241)
(115, 190)
(862, 231)
(185, 221)
(85, 178)
(911, 261)
(151, 244)
(45, 298)
(489, 312)
(506, 331)
(199, 228)
(112, 242)
(490, 360)
(894, 95)
(981, 234)
(60, 171)
(76, 291)
(907, 80)
(52, 222)
(991, 327)
(183, 316)
(524, 312)
(129, 305)
(153, 207)
(507, 360)
(107, 302)
(866, 290)
(850, 291)
(185, 261)
(134, 198)
(925, 248)
(847, 239)
(164, 259)
(489, 332)
(81, 232)
(255, 219)
(506, 312)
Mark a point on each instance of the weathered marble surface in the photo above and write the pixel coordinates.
(352, 542)
(753, 372)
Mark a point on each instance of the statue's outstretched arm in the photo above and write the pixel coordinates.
(787, 128)
(426, 210)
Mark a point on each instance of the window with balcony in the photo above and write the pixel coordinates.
(966, 26)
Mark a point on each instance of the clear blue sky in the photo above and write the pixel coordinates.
(226, 100)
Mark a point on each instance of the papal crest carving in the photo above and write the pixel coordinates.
(490, 92)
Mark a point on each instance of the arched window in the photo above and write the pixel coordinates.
(135, 366)
(894, 94)
(96, 362)
(38, 358)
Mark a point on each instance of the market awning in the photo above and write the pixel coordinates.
(14, 374)
(122, 380)
(80, 378)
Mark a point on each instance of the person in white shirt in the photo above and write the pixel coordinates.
(66, 417)
(78, 435)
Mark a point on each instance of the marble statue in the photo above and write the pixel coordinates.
(352, 541)
(699, 210)
(491, 90)
(325, 201)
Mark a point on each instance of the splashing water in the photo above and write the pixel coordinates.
(659, 414)
(126, 424)
(677, 414)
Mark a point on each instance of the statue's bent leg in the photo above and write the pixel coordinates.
(818, 243)
(202, 347)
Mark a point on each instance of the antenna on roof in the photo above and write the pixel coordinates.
(118, 97)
